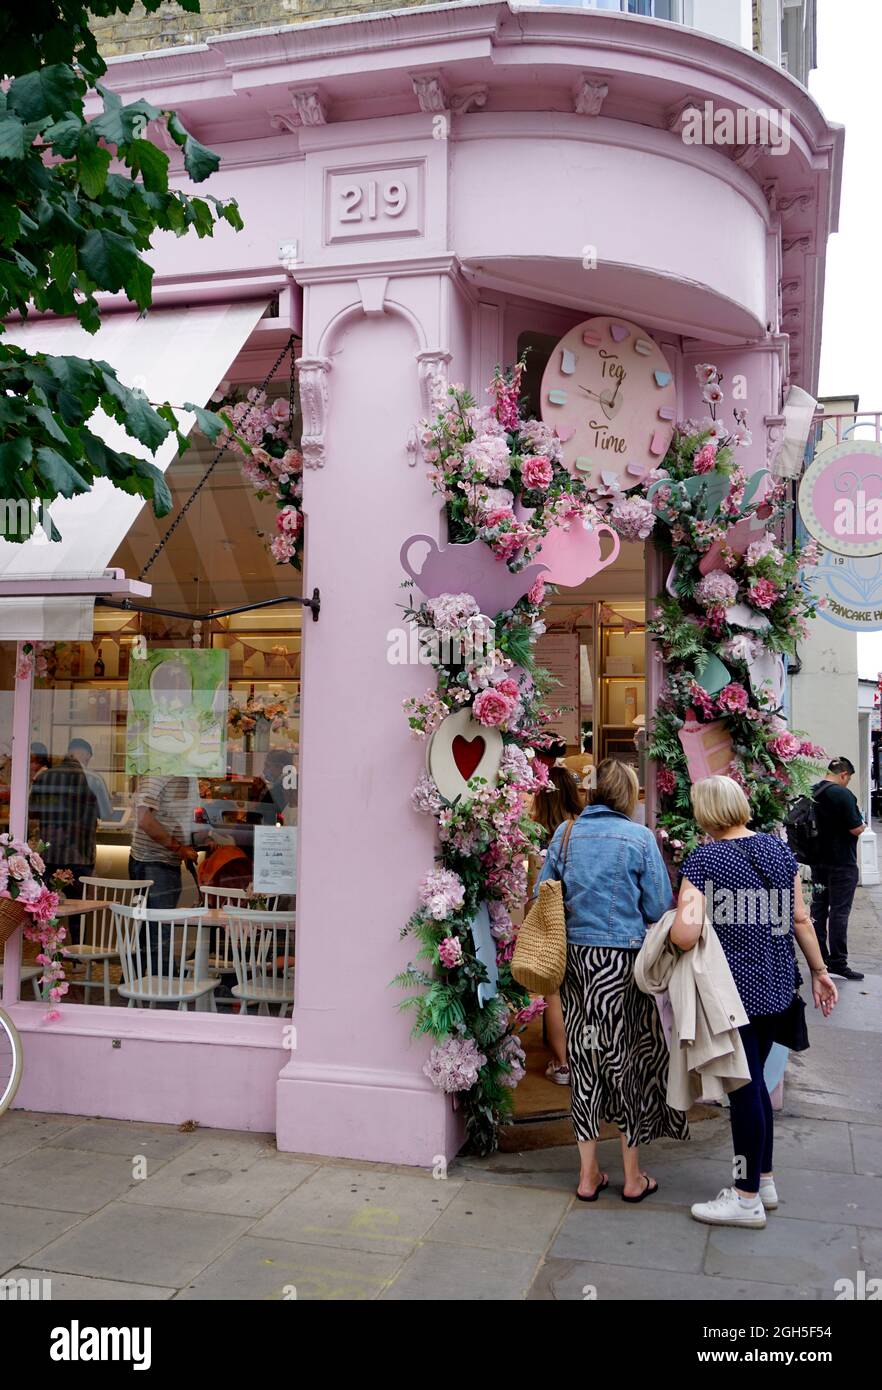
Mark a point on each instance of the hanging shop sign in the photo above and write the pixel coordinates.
(849, 591)
(840, 498)
(177, 713)
(609, 394)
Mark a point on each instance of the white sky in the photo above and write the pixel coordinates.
(847, 86)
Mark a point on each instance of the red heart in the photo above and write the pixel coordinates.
(467, 753)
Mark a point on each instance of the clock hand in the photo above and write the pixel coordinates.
(589, 393)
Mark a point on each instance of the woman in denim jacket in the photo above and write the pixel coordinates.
(614, 884)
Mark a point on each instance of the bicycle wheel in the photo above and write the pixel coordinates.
(10, 1060)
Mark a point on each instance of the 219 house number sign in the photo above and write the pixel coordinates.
(374, 202)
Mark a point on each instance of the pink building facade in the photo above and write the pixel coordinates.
(420, 190)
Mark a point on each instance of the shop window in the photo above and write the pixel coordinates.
(167, 750)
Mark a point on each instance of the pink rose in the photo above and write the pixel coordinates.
(733, 697)
(450, 952)
(786, 747)
(536, 472)
(762, 593)
(293, 461)
(18, 866)
(509, 688)
(283, 548)
(706, 457)
(492, 708)
(289, 521)
(279, 410)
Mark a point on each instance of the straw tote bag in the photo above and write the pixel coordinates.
(540, 955)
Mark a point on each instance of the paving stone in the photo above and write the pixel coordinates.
(500, 1218)
(25, 1230)
(462, 1273)
(154, 1246)
(789, 1252)
(277, 1269)
(22, 1131)
(227, 1176)
(127, 1138)
(78, 1181)
(866, 1143)
(359, 1209)
(572, 1280)
(80, 1288)
(852, 1200)
(640, 1235)
(823, 1145)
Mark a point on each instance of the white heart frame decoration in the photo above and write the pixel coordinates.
(452, 757)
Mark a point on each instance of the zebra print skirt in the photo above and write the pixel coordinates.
(616, 1049)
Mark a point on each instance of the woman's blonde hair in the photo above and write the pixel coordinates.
(617, 787)
(719, 804)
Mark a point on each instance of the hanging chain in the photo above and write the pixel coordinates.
(158, 549)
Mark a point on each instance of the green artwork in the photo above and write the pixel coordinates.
(177, 715)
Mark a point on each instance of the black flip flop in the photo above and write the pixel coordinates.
(648, 1191)
(596, 1193)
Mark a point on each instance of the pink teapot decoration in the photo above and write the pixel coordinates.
(573, 556)
(469, 569)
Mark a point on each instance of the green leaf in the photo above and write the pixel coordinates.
(140, 286)
(60, 476)
(207, 421)
(50, 91)
(133, 411)
(14, 454)
(15, 136)
(110, 259)
(143, 157)
(93, 162)
(198, 161)
(119, 123)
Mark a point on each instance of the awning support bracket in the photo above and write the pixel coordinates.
(314, 604)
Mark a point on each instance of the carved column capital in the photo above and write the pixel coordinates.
(433, 380)
(312, 374)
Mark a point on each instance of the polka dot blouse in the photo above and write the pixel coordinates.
(748, 889)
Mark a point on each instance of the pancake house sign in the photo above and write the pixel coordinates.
(840, 499)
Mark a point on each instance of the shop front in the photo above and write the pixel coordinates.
(446, 190)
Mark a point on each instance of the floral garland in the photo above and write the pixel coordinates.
(504, 482)
(243, 719)
(261, 433)
(754, 599)
(22, 870)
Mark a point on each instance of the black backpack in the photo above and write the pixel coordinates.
(803, 831)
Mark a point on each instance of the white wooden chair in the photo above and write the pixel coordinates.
(164, 956)
(25, 973)
(261, 944)
(220, 960)
(98, 945)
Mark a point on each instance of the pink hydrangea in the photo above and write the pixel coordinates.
(502, 928)
(633, 518)
(492, 708)
(786, 747)
(512, 1055)
(536, 472)
(733, 698)
(764, 547)
(706, 457)
(442, 893)
(763, 593)
(454, 1064)
(717, 589)
(425, 796)
(449, 612)
(450, 952)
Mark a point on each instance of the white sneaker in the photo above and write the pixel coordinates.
(559, 1075)
(768, 1193)
(727, 1209)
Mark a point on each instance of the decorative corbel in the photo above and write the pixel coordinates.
(745, 156)
(313, 380)
(309, 105)
(684, 111)
(433, 380)
(797, 243)
(287, 120)
(589, 95)
(431, 91)
(469, 99)
(774, 438)
(796, 202)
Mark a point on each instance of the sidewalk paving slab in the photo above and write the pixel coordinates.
(260, 1269)
(25, 1230)
(83, 1182)
(168, 1248)
(80, 1288)
(802, 1253)
(569, 1280)
(462, 1273)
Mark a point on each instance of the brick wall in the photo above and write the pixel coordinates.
(170, 25)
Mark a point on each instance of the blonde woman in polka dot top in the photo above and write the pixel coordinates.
(749, 886)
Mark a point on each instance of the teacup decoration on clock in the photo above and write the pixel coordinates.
(609, 393)
(460, 749)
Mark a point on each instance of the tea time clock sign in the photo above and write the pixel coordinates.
(609, 393)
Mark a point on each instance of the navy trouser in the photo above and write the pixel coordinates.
(750, 1109)
(833, 890)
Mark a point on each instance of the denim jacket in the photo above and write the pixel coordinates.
(615, 882)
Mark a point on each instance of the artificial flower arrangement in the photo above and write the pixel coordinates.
(504, 483)
(25, 895)
(244, 719)
(261, 432)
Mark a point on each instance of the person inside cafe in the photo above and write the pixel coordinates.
(64, 808)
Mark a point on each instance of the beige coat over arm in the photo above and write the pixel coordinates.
(707, 1054)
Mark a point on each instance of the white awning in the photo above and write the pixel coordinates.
(174, 355)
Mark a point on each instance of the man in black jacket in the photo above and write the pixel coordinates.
(835, 878)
